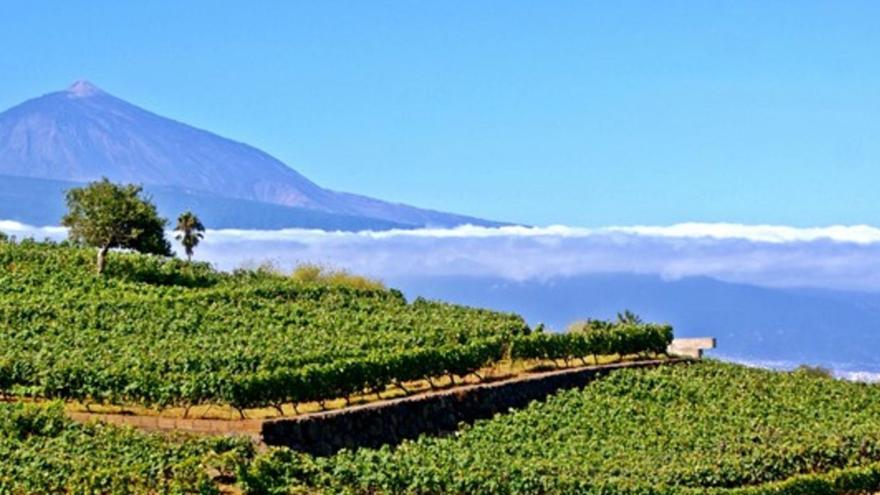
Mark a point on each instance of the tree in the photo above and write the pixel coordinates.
(107, 215)
(190, 232)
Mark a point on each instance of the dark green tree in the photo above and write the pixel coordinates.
(190, 232)
(107, 215)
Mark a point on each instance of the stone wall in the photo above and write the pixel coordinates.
(374, 425)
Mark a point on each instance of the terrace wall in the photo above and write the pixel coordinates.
(391, 422)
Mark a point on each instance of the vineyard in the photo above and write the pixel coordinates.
(703, 428)
(43, 452)
(163, 333)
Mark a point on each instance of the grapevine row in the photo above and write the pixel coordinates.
(321, 381)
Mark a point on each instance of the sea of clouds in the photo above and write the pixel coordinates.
(836, 257)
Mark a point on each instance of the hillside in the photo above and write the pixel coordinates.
(40, 202)
(83, 133)
(707, 428)
(162, 333)
(159, 332)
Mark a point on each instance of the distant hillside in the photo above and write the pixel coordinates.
(832, 328)
(83, 134)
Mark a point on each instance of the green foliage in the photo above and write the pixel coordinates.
(626, 317)
(106, 215)
(190, 232)
(4, 237)
(44, 452)
(623, 339)
(814, 371)
(159, 270)
(316, 274)
(589, 325)
(278, 472)
(167, 333)
(704, 428)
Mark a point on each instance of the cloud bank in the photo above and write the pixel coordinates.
(839, 257)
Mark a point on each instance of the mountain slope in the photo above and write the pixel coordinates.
(40, 202)
(83, 134)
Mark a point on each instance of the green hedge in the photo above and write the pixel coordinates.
(318, 382)
(624, 339)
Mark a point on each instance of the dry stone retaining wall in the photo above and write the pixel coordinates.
(374, 425)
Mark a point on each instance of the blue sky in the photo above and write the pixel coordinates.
(582, 113)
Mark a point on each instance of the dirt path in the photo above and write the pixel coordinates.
(254, 427)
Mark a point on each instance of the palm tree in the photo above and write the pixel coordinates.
(190, 232)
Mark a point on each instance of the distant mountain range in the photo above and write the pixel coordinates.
(70, 137)
(837, 329)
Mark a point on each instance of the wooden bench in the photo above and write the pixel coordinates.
(692, 348)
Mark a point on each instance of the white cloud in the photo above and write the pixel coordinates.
(843, 257)
(858, 234)
(19, 229)
(776, 234)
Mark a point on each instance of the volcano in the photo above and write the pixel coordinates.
(67, 138)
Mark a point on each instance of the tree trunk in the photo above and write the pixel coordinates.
(102, 257)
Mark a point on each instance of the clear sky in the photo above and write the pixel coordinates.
(583, 113)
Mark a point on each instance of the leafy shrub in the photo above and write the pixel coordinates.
(311, 273)
(159, 270)
(814, 371)
(588, 325)
(622, 339)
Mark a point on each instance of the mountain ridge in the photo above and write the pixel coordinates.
(84, 133)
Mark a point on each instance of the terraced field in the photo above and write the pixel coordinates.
(163, 333)
(160, 332)
(706, 428)
(703, 428)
